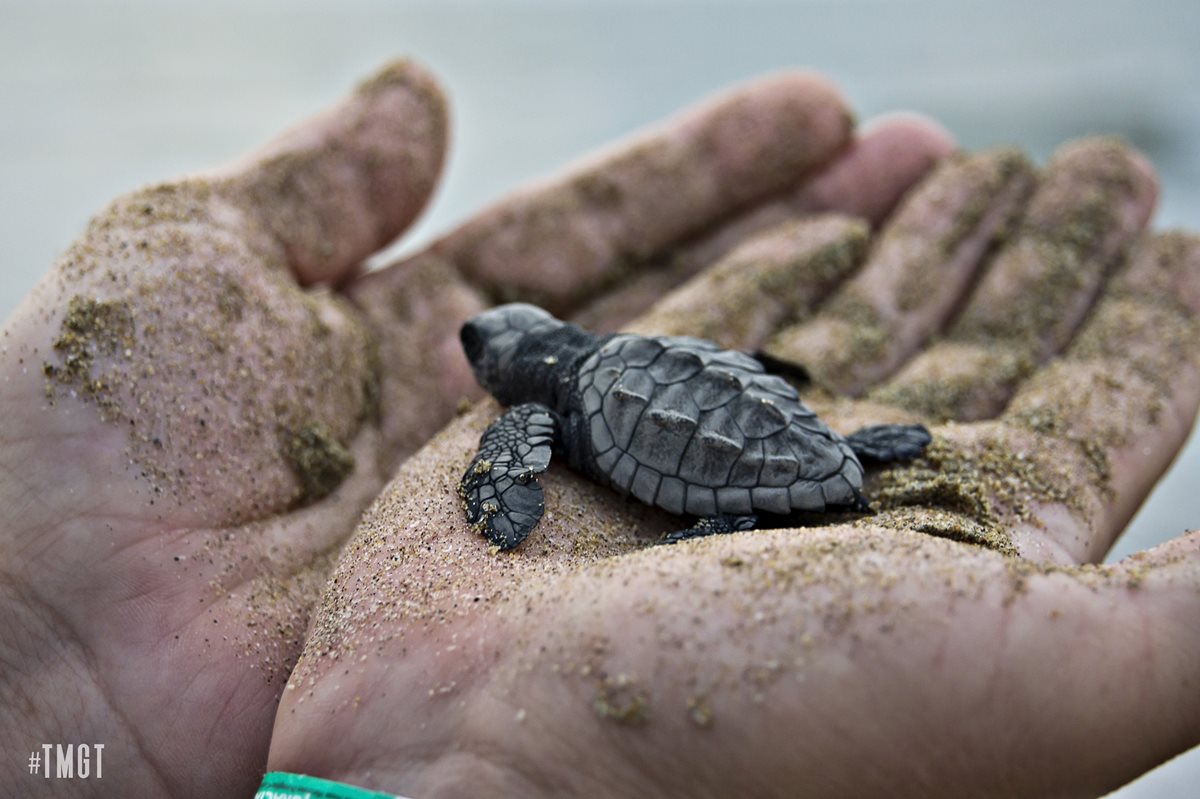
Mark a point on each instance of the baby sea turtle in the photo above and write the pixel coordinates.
(675, 421)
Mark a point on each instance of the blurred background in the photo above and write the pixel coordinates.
(97, 97)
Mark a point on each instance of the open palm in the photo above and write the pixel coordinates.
(203, 394)
(953, 643)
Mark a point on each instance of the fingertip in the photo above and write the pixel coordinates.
(1114, 164)
(401, 72)
(1149, 183)
(809, 86)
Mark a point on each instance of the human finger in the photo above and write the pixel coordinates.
(1094, 198)
(557, 243)
(778, 274)
(919, 270)
(885, 159)
(341, 185)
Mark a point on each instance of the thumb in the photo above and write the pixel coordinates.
(339, 186)
(1129, 664)
(1167, 591)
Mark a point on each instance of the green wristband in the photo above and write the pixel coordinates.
(284, 785)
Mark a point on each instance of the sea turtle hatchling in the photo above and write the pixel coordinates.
(675, 421)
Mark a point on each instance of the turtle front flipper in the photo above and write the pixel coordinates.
(889, 442)
(500, 490)
(712, 525)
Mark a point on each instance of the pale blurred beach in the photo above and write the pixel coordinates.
(98, 97)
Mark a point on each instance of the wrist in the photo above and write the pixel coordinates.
(287, 785)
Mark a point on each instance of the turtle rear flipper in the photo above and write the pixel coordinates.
(499, 489)
(889, 442)
(712, 525)
(789, 370)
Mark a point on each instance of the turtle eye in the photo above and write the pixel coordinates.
(472, 341)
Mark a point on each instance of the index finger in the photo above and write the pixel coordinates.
(558, 242)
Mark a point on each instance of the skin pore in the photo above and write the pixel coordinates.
(204, 396)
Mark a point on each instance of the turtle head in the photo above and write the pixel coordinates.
(503, 346)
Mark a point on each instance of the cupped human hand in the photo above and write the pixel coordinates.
(960, 640)
(205, 391)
